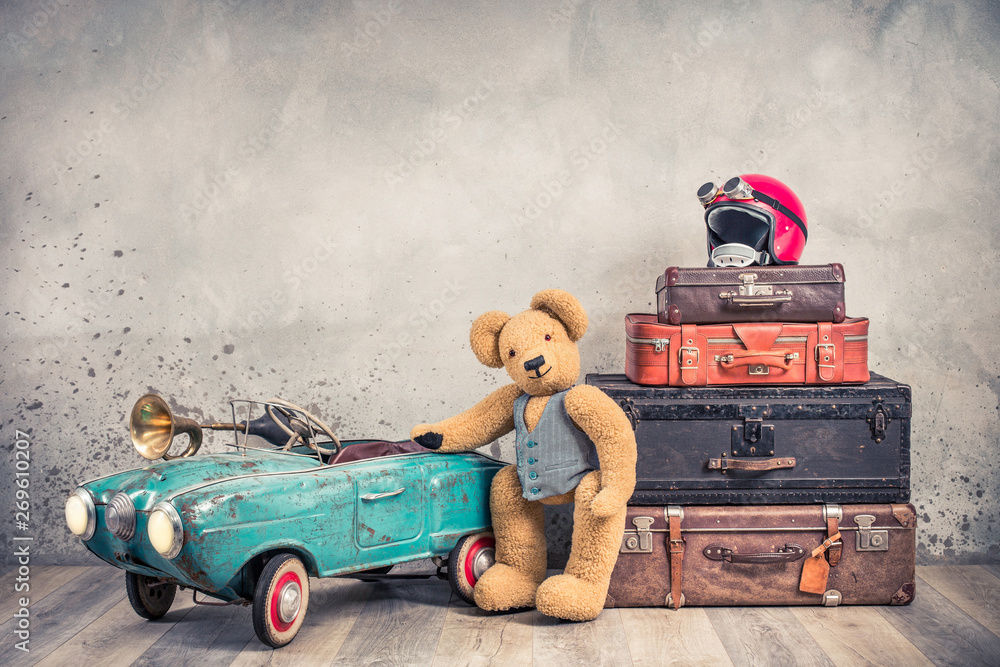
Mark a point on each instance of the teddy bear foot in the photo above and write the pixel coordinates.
(502, 588)
(571, 598)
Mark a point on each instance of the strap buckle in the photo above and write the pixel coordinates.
(831, 356)
(697, 355)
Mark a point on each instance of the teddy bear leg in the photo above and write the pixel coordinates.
(519, 527)
(580, 592)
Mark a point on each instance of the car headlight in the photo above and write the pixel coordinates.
(166, 533)
(81, 515)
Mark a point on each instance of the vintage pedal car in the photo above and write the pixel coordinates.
(251, 525)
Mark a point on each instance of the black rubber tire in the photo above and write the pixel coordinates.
(275, 569)
(150, 603)
(457, 560)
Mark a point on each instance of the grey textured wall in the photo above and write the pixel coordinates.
(314, 200)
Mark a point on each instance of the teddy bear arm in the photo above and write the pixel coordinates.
(597, 415)
(481, 424)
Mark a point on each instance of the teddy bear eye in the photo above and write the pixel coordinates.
(512, 353)
(548, 337)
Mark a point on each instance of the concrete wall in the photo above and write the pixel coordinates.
(314, 200)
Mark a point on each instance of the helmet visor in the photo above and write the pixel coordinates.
(738, 223)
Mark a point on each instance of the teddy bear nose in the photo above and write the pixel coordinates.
(534, 364)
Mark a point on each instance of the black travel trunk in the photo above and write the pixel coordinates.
(768, 444)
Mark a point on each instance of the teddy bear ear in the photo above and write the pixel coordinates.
(564, 307)
(485, 337)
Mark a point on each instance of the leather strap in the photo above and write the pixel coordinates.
(836, 545)
(676, 560)
(827, 543)
(826, 352)
(689, 355)
(781, 208)
(744, 464)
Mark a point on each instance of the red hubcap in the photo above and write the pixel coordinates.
(470, 558)
(286, 578)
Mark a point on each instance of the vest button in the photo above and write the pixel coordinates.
(531, 461)
(533, 475)
(531, 443)
(534, 489)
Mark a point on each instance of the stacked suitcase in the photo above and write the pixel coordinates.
(773, 468)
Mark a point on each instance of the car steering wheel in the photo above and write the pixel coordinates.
(298, 430)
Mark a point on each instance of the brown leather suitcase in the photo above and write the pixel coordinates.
(790, 293)
(755, 556)
(741, 353)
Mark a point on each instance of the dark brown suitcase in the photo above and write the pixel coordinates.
(789, 293)
(768, 445)
(754, 555)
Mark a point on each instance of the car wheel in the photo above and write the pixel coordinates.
(149, 597)
(471, 557)
(280, 600)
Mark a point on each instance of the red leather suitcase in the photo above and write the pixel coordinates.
(755, 555)
(795, 293)
(692, 355)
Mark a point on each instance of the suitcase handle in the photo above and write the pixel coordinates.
(773, 358)
(791, 552)
(754, 465)
(758, 300)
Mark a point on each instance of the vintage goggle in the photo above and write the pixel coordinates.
(734, 188)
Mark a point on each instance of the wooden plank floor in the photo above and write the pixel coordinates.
(80, 616)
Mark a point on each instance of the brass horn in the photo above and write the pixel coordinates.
(153, 427)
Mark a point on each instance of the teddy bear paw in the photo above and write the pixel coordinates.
(607, 503)
(570, 598)
(502, 587)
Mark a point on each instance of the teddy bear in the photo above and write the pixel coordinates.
(573, 443)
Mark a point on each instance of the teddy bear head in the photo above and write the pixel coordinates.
(537, 347)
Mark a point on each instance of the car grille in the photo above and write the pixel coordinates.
(119, 516)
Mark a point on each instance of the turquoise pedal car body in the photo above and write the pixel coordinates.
(253, 524)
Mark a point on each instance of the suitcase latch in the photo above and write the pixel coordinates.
(640, 542)
(878, 420)
(867, 539)
(832, 598)
(765, 294)
(755, 438)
